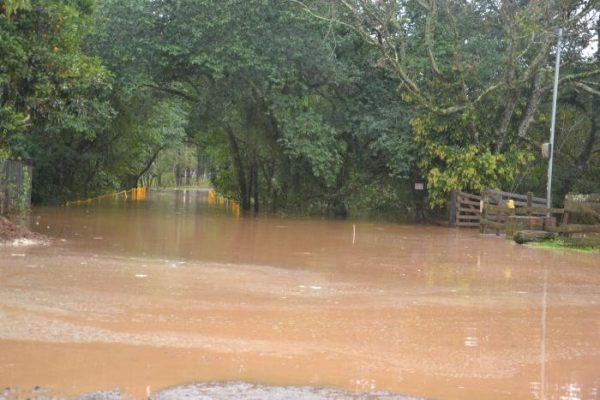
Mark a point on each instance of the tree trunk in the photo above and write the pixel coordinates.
(255, 186)
(239, 168)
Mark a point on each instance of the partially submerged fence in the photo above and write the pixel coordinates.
(581, 205)
(492, 209)
(15, 187)
(498, 206)
(526, 214)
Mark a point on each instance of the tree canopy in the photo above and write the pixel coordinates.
(299, 104)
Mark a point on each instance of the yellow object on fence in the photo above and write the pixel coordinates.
(137, 193)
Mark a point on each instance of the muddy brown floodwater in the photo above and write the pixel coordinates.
(143, 296)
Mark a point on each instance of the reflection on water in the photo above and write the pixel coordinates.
(179, 288)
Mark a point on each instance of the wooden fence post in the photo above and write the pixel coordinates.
(453, 209)
(484, 199)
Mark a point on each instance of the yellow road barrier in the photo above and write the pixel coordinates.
(232, 205)
(137, 194)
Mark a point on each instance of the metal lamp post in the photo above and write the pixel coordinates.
(553, 123)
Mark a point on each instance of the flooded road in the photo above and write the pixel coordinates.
(143, 296)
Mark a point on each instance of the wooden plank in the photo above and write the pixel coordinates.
(469, 217)
(492, 224)
(469, 196)
(515, 196)
(522, 210)
(469, 221)
(519, 203)
(471, 210)
(541, 210)
(500, 193)
(499, 209)
(468, 224)
(583, 208)
(468, 202)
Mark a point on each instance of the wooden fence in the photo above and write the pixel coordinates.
(499, 205)
(587, 205)
(492, 209)
(465, 209)
(501, 211)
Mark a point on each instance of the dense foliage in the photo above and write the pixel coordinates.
(298, 105)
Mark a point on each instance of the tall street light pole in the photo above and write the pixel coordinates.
(553, 123)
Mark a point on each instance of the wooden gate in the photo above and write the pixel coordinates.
(465, 210)
(492, 209)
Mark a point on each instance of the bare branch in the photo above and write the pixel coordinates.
(429, 32)
(587, 88)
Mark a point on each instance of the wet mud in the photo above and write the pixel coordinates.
(12, 234)
(174, 293)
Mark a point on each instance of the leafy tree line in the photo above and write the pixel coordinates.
(299, 104)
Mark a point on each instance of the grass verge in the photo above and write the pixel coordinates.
(568, 244)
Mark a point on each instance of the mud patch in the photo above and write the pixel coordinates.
(15, 235)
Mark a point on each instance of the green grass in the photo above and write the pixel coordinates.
(565, 244)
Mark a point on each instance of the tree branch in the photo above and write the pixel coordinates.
(173, 91)
(587, 88)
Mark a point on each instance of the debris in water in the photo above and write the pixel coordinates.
(141, 276)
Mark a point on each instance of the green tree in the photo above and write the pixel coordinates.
(53, 97)
(287, 118)
(476, 74)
